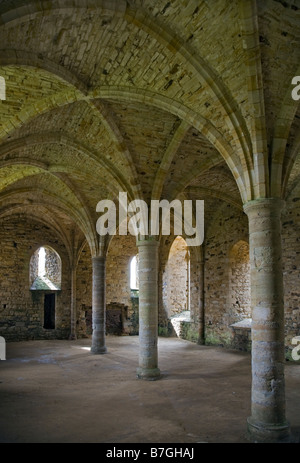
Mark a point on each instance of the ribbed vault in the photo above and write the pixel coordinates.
(109, 96)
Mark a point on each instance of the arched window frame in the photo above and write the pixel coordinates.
(40, 280)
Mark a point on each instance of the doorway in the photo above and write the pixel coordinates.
(49, 312)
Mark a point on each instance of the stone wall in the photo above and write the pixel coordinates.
(239, 283)
(34, 267)
(291, 265)
(226, 279)
(175, 279)
(121, 250)
(173, 285)
(222, 241)
(22, 310)
(120, 253)
(84, 287)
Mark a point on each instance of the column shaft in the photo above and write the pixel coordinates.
(99, 309)
(201, 340)
(73, 334)
(148, 310)
(267, 422)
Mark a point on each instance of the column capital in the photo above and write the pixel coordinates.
(99, 259)
(269, 205)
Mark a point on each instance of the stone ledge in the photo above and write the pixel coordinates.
(242, 335)
(243, 324)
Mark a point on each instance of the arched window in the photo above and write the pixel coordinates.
(45, 270)
(45, 276)
(134, 273)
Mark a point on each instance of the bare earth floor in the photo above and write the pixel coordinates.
(57, 392)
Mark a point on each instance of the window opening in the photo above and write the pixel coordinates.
(134, 278)
(49, 312)
(45, 270)
(42, 262)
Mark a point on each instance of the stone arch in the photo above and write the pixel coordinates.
(47, 138)
(240, 164)
(59, 204)
(170, 40)
(243, 176)
(282, 130)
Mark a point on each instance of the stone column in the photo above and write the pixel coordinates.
(99, 309)
(148, 309)
(201, 340)
(73, 334)
(188, 281)
(268, 421)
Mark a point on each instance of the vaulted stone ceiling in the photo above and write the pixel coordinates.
(156, 98)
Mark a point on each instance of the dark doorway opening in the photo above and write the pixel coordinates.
(49, 312)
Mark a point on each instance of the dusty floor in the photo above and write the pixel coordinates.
(58, 392)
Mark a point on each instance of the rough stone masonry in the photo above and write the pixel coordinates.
(161, 100)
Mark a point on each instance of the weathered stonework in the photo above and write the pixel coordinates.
(291, 266)
(268, 387)
(99, 306)
(148, 310)
(221, 308)
(22, 310)
(161, 100)
(176, 279)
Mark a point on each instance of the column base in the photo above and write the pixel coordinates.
(148, 374)
(268, 433)
(98, 350)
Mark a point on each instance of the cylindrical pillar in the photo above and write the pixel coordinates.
(148, 310)
(99, 309)
(201, 340)
(73, 334)
(268, 420)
